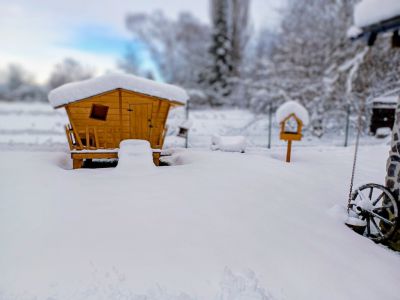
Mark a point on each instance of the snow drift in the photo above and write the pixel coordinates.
(169, 234)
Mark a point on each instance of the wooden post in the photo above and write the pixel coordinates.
(187, 120)
(87, 138)
(77, 163)
(270, 126)
(346, 139)
(156, 158)
(289, 151)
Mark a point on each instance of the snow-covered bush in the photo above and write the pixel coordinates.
(229, 143)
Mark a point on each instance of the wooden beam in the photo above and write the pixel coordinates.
(77, 137)
(87, 138)
(68, 133)
(94, 155)
(77, 163)
(96, 138)
(289, 151)
(121, 125)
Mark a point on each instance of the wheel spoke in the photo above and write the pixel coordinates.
(377, 200)
(371, 190)
(389, 205)
(376, 226)
(381, 218)
(369, 226)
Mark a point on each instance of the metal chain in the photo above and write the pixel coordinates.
(359, 129)
(359, 125)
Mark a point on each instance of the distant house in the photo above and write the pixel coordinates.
(383, 112)
(107, 110)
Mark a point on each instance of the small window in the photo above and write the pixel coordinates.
(291, 125)
(99, 112)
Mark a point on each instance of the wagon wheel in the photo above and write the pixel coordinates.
(377, 210)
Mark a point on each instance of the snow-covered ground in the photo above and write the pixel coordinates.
(37, 126)
(224, 226)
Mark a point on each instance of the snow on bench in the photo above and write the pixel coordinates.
(292, 107)
(229, 143)
(135, 155)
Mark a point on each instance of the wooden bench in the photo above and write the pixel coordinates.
(79, 156)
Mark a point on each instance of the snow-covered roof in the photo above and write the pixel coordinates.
(292, 107)
(76, 91)
(387, 99)
(354, 32)
(369, 12)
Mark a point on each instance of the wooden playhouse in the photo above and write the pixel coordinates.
(106, 110)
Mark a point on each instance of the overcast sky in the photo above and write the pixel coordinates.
(40, 33)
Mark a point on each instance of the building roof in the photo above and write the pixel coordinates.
(81, 90)
(387, 99)
(370, 12)
(375, 16)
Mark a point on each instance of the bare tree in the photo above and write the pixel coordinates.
(178, 48)
(240, 32)
(19, 85)
(69, 70)
(16, 76)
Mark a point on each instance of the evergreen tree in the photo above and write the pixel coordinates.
(220, 72)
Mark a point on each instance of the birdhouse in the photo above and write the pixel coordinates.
(292, 117)
(291, 128)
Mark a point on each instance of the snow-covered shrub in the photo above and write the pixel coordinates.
(229, 143)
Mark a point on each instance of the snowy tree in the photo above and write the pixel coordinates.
(188, 53)
(132, 61)
(28, 92)
(220, 72)
(308, 56)
(240, 32)
(19, 85)
(16, 77)
(178, 48)
(262, 84)
(69, 70)
(379, 73)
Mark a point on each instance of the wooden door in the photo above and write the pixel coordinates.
(140, 121)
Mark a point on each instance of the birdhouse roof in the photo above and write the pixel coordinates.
(77, 91)
(290, 108)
